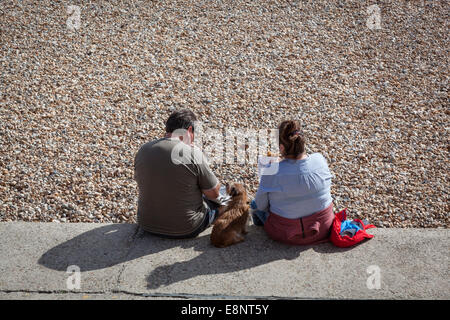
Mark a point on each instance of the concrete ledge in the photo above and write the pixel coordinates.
(119, 260)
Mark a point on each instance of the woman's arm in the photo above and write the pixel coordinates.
(262, 197)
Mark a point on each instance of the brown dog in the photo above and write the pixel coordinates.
(231, 225)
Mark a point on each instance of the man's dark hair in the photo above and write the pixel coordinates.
(182, 119)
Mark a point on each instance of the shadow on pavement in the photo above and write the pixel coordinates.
(95, 249)
(113, 244)
(257, 250)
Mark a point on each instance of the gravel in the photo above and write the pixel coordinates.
(75, 105)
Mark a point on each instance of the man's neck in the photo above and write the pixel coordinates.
(168, 135)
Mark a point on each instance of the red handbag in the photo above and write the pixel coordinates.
(347, 241)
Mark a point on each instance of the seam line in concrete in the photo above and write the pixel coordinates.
(169, 295)
(132, 243)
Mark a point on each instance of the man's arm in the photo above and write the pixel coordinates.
(207, 181)
(213, 193)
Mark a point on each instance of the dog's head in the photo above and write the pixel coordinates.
(236, 189)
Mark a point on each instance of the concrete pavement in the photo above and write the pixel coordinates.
(119, 261)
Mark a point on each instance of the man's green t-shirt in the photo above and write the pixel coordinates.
(171, 176)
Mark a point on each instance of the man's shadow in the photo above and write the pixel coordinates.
(113, 244)
(101, 248)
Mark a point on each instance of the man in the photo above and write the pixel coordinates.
(172, 177)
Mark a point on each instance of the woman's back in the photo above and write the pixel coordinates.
(299, 188)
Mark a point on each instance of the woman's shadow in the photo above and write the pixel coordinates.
(113, 244)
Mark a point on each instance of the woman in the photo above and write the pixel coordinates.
(295, 204)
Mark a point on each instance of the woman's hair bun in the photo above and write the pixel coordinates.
(291, 137)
